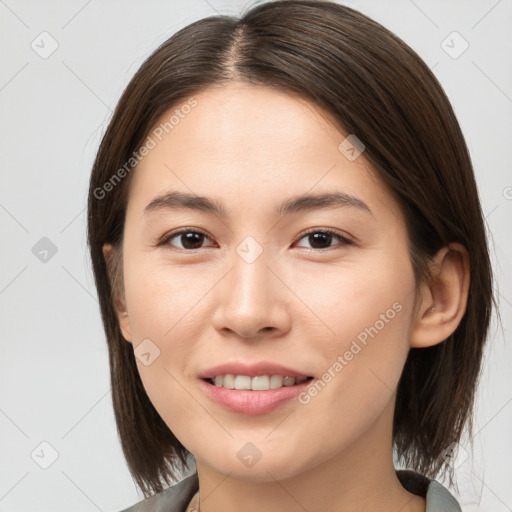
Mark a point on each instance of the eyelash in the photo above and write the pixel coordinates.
(343, 239)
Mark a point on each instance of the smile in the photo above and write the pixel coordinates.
(251, 401)
(258, 383)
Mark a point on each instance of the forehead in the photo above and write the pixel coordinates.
(242, 141)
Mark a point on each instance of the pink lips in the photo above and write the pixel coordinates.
(251, 402)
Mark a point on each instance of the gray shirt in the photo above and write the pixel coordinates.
(177, 497)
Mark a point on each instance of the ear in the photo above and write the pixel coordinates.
(443, 300)
(114, 269)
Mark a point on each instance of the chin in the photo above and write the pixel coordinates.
(262, 471)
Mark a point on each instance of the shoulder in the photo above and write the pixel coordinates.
(438, 498)
(173, 499)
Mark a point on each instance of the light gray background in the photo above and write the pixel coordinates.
(54, 382)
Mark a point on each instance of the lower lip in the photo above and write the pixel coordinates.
(252, 402)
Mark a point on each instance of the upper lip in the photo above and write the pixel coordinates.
(251, 370)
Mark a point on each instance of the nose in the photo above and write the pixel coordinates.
(251, 301)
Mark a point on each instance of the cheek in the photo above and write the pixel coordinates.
(164, 307)
(364, 300)
(368, 314)
(161, 300)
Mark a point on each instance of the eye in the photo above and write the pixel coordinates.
(189, 239)
(322, 238)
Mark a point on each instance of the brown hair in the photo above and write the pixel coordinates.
(377, 88)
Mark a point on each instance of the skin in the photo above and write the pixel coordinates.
(298, 304)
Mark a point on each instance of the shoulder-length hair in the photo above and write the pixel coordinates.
(377, 88)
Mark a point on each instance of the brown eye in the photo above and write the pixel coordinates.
(322, 238)
(187, 239)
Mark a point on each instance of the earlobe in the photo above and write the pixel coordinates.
(443, 300)
(114, 270)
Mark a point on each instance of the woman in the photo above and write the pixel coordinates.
(292, 267)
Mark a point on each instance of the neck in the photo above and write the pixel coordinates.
(360, 477)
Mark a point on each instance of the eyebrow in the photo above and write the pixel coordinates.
(175, 199)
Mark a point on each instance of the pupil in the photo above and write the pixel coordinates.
(314, 238)
(192, 240)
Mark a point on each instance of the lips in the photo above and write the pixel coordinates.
(252, 370)
(249, 402)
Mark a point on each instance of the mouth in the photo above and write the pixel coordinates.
(252, 395)
(256, 383)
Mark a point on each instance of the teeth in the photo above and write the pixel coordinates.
(242, 382)
(259, 383)
(276, 381)
(228, 381)
(288, 381)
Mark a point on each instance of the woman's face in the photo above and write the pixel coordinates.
(260, 281)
